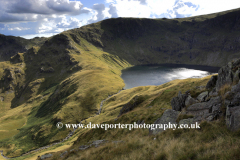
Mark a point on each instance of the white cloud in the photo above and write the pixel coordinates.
(99, 13)
(22, 17)
(18, 28)
(170, 8)
(33, 10)
(113, 11)
(131, 9)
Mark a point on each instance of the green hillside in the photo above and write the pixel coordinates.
(65, 78)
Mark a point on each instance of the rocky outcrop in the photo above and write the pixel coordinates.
(233, 95)
(169, 116)
(212, 82)
(203, 96)
(228, 74)
(189, 101)
(208, 106)
(233, 117)
(206, 110)
(178, 103)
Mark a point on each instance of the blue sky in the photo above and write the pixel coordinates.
(31, 18)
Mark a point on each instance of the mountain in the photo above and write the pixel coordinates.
(74, 77)
(205, 40)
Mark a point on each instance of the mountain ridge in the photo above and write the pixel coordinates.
(66, 77)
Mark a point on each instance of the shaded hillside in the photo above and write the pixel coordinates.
(205, 40)
(10, 45)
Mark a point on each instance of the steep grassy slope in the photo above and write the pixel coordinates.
(65, 78)
(58, 81)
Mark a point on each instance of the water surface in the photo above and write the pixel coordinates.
(157, 75)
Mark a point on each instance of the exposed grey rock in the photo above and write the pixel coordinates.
(187, 121)
(63, 154)
(236, 99)
(236, 76)
(168, 116)
(234, 95)
(202, 97)
(83, 147)
(225, 76)
(213, 93)
(189, 101)
(233, 117)
(212, 82)
(97, 143)
(205, 110)
(2, 98)
(227, 102)
(178, 103)
(46, 156)
(228, 74)
(198, 109)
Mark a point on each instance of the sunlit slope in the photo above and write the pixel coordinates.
(59, 81)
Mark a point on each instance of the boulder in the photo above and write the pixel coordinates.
(233, 117)
(187, 121)
(48, 155)
(212, 82)
(203, 96)
(178, 103)
(201, 106)
(169, 116)
(189, 101)
(206, 110)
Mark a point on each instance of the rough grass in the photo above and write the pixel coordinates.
(224, 89)
(212, 141)
(179, 144)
